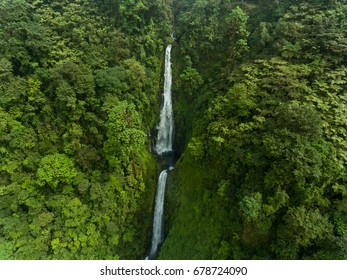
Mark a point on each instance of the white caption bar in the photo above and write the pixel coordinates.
(180, 270)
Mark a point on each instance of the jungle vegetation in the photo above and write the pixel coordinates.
(260, 101)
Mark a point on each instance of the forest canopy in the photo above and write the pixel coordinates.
(260, 104)
(79, 95)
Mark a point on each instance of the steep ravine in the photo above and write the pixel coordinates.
(163, 149)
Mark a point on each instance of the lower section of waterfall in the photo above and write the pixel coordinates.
(158, 228)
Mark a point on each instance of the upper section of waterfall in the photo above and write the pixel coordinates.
(165, 126)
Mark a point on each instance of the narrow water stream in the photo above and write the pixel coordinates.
(163, 148)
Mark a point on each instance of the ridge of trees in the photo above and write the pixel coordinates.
(265, 161)
(79, 94)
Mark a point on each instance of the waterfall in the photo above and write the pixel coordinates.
(165, 126)
(163, 147)
(158, 235)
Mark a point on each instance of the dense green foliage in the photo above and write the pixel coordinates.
(260, 101)
(80, 83)
(263, 175)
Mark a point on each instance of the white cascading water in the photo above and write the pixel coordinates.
(158, 236)
(163, 145)
(165, 126)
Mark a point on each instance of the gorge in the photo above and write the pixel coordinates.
(258, 114)
(164, 149)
